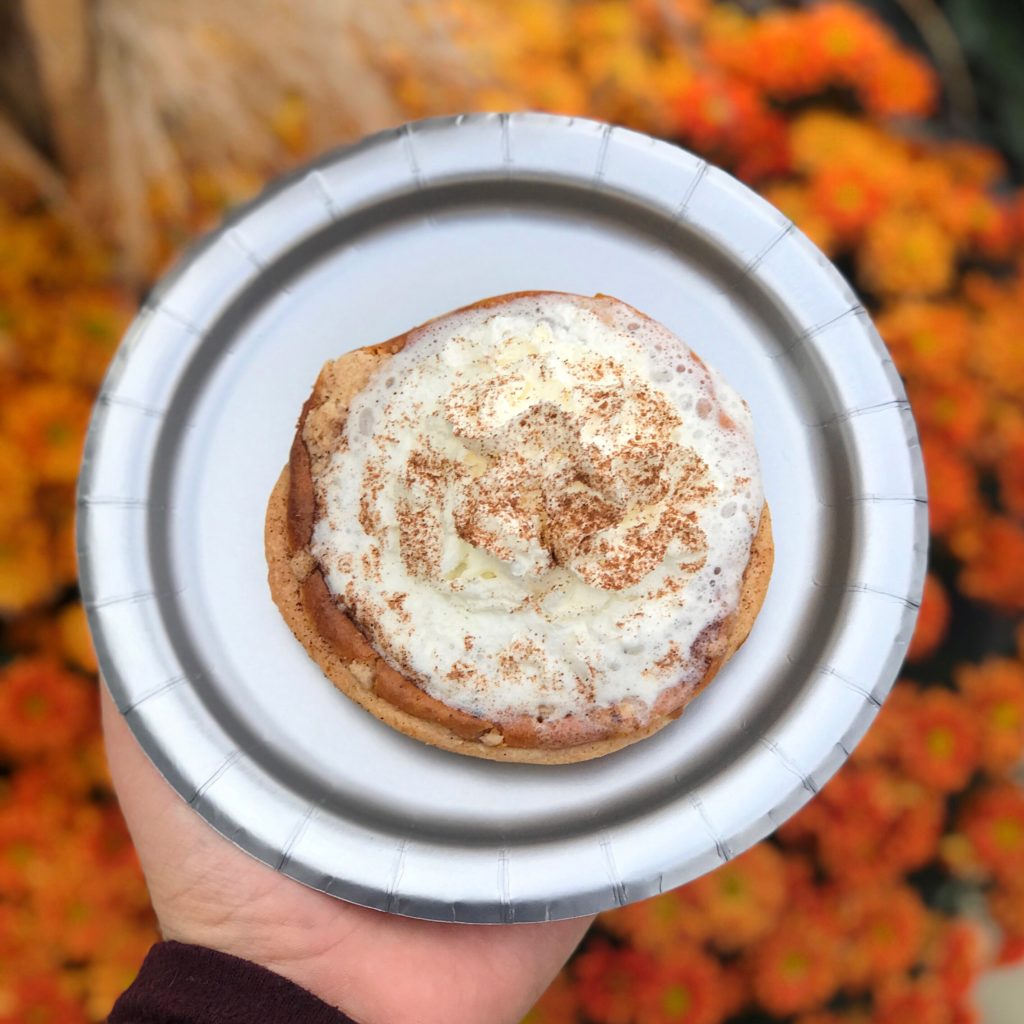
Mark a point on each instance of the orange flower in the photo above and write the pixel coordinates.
(921, 1000)
(26, 846)
(882, 741)
(823, 138)
(658, 923)
(1006, 901)
(952, 411)
(771, 51)
(940, 748)
(851, 39)
(39, 999)
(884, 929)
(972, 164)
(868, 825)
(906, 253)
(683, 989)
(741, 901)
(995, 690)
(957, 956)
(848, 198)
(558, 1005)
(609, 980)
(1010, 472)
(928, 340)
(42, 707)
(993, 823)
(73, 912)
(898, 84)
(711, 111)
(993, 554)
(48, 421)
(17, 485)
(952, 485)
(26, 573)
(932, 620)
(976, 219)
(794, 968)
(75, 640)
(996, 356)
(79, 336)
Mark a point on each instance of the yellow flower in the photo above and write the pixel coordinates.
(48, 421)
(906, 253)
(26, 573)
(819, 138)
(75, 641)
(17, 484)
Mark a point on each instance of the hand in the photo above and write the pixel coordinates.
(377, 968)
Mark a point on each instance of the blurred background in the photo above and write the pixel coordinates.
(891, 131)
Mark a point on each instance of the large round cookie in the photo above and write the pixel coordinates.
(347, 658)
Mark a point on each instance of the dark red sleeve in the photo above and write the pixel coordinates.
(182, 984)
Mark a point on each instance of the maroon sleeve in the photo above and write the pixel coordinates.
(183, 984)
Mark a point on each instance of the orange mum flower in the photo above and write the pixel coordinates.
(993, 823)
(952, 485)
(928, 340)
(26, 845)
(17, 485)
(952, 411)
(79, 336)
(48, 421)
(42, 707)
(957, 957)
(932, 620)
(772, 52)
(921, 1000)
(39, 999)
(1006, 901)
(75, 640)
(898, 84)
(972, 164)
(1010, 472)
(882, 740)
(940, 748)
(848, 198)
(995, 690)
(993, 554)
(794, 968)
(658, 923)
(558, 1005)
(885, 930)
(609, 980)
(74, 912)
(997, 356)
(906, 253)
(739, 901)
(711, 111)
(26, 573)
(821, 138)
(849, 39)
(114, 965)
(868, 825)
(685, 989)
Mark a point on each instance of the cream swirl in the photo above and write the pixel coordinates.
(540, 506)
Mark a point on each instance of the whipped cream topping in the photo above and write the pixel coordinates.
(537, 507)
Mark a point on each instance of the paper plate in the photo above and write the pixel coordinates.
(194, 423)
